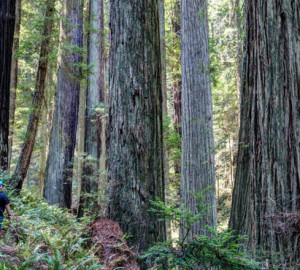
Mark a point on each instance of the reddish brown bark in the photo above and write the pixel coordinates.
(266, 196)
(135, 165)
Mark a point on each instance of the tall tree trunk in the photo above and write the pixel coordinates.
(239, 58)
(95, 116)
(46, 120)
(135, 165)
(80, 142)
(161, 9)
(176, 76)
(231, 162)
(266, 201)
(38, 99)
(14, 80)
(197, 166)
(7, 26)
(80, 155)
(58, 182)
(176, 71)
(44, 142)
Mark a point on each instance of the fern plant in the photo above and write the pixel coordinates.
(46, 236)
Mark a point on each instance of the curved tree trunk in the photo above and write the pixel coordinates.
(197, 161)
(266, 196)
(7, 26)
(95, 123)
(135, 165)
(58, 182)
(38, 99)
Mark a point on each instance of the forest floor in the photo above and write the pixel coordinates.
(111, 245)
(41, 236)
(9, 254)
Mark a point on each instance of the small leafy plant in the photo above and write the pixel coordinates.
(210, 250)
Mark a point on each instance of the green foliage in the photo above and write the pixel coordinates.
(225, 40)
(225, 56)
(28, 53)
(172, 143)
(219, 250)
(46, 236)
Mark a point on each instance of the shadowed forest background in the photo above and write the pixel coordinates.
(150, 134)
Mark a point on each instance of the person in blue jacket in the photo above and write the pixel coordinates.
(4, 205)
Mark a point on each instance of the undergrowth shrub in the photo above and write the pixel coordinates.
(211, 250)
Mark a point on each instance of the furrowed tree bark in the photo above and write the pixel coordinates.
(14, 80)
(38, 99)
(266, 201)
(197, 161)
(94, 145)
(58, 182)
(7, 26)
(135, 165)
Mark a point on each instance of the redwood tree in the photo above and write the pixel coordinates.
(14, 79)
(197, 160)
(38, 99)
(176, 75)
(135, 165)
(176, 72)
(58, 182)
(95, 124)
(161, 13)
(7, 26)
(266, 196)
